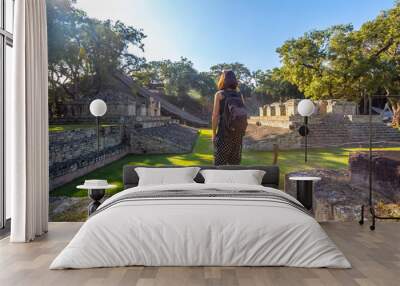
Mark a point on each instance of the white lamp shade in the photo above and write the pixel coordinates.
(98, 107)
(306, 107)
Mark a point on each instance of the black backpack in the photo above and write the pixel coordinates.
(235, 114)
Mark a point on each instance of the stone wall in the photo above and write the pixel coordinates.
(337, 107)
(385, 173)
(285, 141)
(69, 144)
(119, 104)
(333, 197)
(340, 193)
(73, 153)
(149, 121)
(275, 121)
(322, 107)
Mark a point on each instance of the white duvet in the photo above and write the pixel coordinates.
(200, 231)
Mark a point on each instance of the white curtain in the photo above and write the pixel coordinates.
(27, 124)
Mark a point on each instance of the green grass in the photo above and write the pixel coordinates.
(195, 94)
(67, 127)
(289, 161)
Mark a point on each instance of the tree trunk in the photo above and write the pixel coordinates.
(365, 101)
(396, 112)
(276, 154)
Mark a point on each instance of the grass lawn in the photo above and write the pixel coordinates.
(293, 160)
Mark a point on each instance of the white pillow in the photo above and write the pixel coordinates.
(247, 177)
(166, 176)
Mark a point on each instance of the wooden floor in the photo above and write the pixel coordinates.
(375, 257)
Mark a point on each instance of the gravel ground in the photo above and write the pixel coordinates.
(256, 133)
(68, 208)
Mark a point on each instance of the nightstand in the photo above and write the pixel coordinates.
(96, 191)
(305, 190)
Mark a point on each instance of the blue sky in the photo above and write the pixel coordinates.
(215, 31)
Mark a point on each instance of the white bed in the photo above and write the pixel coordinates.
(202, 231)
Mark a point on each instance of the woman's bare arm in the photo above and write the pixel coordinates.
(215, 114)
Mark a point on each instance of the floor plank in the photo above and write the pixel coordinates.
(375, 257)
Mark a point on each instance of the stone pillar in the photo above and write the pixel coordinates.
(329, 104)
(158, 111)
(282, 110)
(143, 110)
(349, 108)
(261, 111)
(268, 110)
(273, 110)
(323, 105)
(292, 107)
(150, 107)
(132, 109)
(276, 106)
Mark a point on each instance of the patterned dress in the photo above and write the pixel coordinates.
(227, 147)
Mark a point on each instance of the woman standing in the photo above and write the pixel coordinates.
(229, 121)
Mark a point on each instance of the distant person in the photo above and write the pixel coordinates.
(229, 121)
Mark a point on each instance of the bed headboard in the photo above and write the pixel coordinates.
(270, 179)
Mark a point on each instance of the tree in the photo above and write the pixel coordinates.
(205, 84)
(148, 74)
(84, 53)
(308, 63)
(177, 78)
(341, 62)
(380, 40)
(243, 74)
(272, 85)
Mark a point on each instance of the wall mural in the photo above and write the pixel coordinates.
(160, 112)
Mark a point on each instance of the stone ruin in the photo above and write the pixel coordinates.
(138, 121)
(340, 193)
(73, 153)
(289, 108)
(335, 123)
(121, 106)
(385, 173)
(283, 114)
(128, 103)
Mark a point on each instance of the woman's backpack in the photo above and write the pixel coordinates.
(235, 114)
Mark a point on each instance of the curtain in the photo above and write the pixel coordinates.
(27, 124)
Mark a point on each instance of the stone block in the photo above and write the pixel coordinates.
(385, 172)
(336, 197)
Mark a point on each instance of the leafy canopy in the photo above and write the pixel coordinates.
(340, 62)
(84, 53)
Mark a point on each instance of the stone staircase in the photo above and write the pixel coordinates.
(166, 106)
(342, 131)
(326, 131)
(170, 139)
